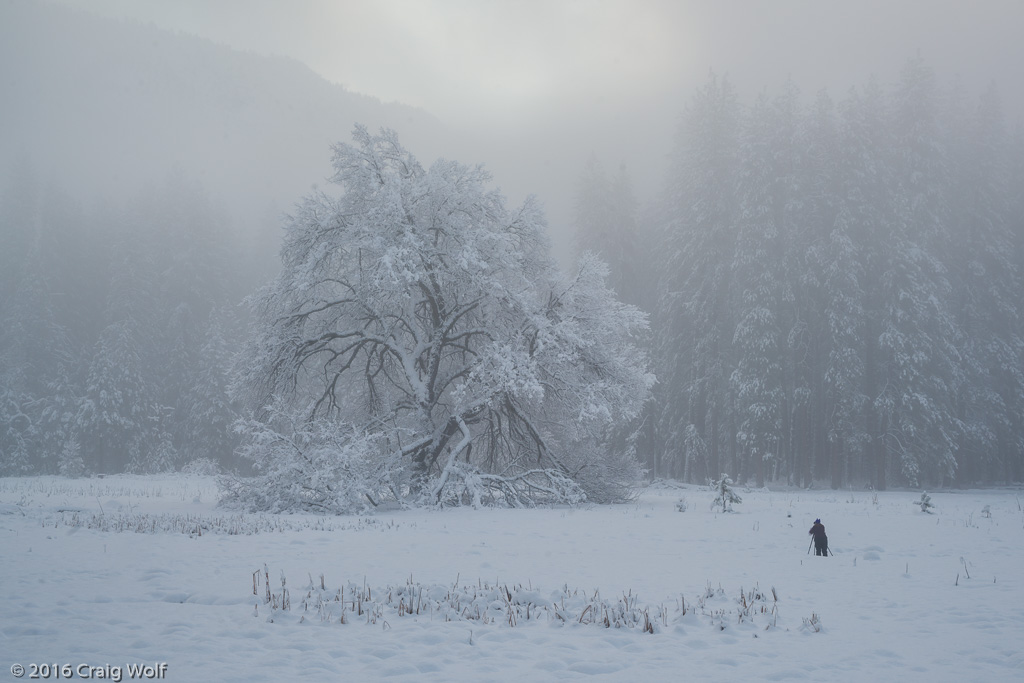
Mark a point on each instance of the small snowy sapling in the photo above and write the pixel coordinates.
(925, 502)
(726, 496)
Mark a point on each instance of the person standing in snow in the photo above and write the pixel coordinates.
(820, 539)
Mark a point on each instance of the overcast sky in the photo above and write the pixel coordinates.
(537, 87)
(469, 61)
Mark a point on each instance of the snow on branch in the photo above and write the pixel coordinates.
(438, 353)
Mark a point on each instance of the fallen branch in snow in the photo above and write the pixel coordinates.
(464, 484)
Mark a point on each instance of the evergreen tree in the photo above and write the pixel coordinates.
(759, 273)
(1013, 451)
(694, 322)
(17, 429)
(119, 411)
(865, 216)
(985, 288)
(58, 419)
(837, 270)
(606, 224)
(918, 334)
(210, 416)
(33, 347)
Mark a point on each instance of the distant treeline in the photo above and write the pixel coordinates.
(117, 329)
(835, 288)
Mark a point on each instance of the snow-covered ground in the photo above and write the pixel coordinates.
(129, 570)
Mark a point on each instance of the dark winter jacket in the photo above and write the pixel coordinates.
(818, 531)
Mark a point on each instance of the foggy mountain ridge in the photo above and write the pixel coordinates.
(103, 107)
(144, 178)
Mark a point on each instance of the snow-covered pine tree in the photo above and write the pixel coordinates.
(58, 415)
(70, 463)
(33, 348)
(118, 410)
(186, 247)
(985, 285)
(918, 334)
(1013, 445)
(865, 217)
(760, 285)
(695, 452)
(156, 456)
(606, 224)
(836, 270)
(693, 321)
(17, 429)
(208, 432)
(593, 223)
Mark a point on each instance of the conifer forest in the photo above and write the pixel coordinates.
(821, 289)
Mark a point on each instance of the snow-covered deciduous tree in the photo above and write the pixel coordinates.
(308, 465)
(426, 316)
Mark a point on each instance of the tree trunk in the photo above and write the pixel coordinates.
(807, 446)
(836, 453)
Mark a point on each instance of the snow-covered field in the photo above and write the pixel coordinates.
(127, 570)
